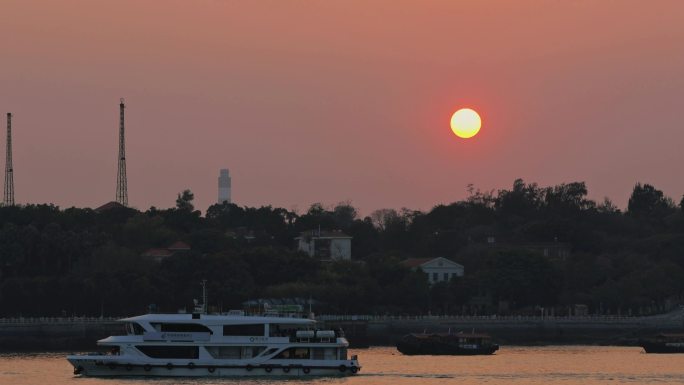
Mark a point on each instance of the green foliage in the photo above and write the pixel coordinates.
(81, 262)
(184, 201)
(648, 202)
(523, 278)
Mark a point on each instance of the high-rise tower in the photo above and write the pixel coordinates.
(121, 182)
(8, 196)
(224, 186)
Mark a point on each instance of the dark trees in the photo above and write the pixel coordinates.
(647, 202)
(78, 261)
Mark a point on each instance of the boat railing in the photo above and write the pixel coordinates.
(57, 320)
(372, 318)
(483, 318)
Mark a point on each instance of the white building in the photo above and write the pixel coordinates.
(325, 245)
(224, 186)
(437, 269)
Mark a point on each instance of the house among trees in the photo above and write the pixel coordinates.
(325, 245)
(109, 206)
(160, 253)
(437, 269)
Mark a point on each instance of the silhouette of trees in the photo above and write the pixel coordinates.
(648, 202)
(79, 261)
(184, 200)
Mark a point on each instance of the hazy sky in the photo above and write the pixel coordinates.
(328, 101)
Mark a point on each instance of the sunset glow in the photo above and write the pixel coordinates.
(465, 123)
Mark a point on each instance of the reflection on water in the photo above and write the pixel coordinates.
(565, 365)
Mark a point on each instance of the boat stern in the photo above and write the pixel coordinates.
(354, 365)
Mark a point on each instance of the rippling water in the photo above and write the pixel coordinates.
(565, 365)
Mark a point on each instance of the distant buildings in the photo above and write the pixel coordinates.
(158, 254)
(109, 206)
(437, 269)
(325, 245)
(224, 186)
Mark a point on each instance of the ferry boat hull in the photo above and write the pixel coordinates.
(96, 367)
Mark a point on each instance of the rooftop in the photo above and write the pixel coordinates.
(415, 262)
(323, 234)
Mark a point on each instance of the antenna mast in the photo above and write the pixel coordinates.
(8, 197)
(204, 296)
(121, 181)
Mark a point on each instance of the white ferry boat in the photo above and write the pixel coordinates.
(202, 345)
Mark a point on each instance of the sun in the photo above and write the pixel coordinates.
(465, 123)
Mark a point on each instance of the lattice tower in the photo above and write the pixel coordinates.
(121, 182)
(8, 196)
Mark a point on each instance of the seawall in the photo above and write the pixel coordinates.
(81, 334)
(596, 330)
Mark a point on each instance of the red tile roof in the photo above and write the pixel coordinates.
(179, 245)
(415, 262)
(108, 206)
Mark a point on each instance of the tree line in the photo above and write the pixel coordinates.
(79, 261)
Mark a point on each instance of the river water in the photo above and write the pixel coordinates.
(565, 365)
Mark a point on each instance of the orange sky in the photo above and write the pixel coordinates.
(329, 101)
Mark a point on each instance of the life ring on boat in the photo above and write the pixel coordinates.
(343, 368)
(129, 367)
(354, 369)
(306, 370)
(211, 369)
(191, 366)
(268, 369)
(249, 368)
(169, 366)
(112, 365)
(286, 369)
(147, 367)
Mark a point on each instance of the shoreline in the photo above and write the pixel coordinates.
(41, 335)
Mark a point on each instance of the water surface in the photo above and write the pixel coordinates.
(565, 365)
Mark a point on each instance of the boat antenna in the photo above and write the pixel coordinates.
(204, 296)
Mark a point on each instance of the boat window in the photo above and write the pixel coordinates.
(275, 330)
(324, 353)
(284, 330)
(252, 351)
(229, 352)
(235, 352)
(164, 351)
(133, 328)
(293, 354)
(183, 328)
(244, 330)
(343, 353)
